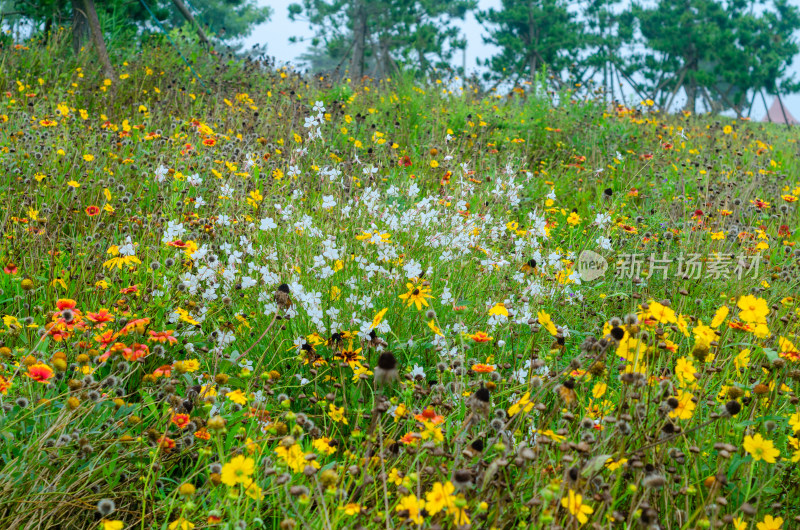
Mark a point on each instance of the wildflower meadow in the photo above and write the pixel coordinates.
(237, 296)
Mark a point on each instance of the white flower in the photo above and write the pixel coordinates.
(417, 371)
(328, 201)
(604, 243)
(267, 223)
(198, 202)
(194, 179)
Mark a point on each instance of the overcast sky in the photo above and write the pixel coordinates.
(275, 34)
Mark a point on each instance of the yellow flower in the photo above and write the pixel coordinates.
(254, 492)
(440, 497)
(613, 466)
(351, 508)
(237, 396)
(574, 503)
(73, 184)
(753, 309)
(88, 158)
(499, 309)
(416, 296)
(770, 523)
(761, 449)
(547, 322)
(323, 445)
(238, 470)
(524, 405)
(295, 458)
(435, 328)
(107, 524)
(573, 219)
(685, 370)
(412, 506)
(181, 524)
(599, 390)
(337, 414)
(742, 360)
(794, 422)
(662, 313)
(434, 164)
(720, 316)
(685, 406)
(377, 320)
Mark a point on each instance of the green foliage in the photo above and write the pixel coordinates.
(532, 34)
(178, 377)
(380, 37)
(717, 51)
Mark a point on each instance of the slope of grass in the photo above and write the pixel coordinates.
(271, 301)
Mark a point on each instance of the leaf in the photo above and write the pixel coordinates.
(594, 465)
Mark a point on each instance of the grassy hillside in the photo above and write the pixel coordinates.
(252, 299)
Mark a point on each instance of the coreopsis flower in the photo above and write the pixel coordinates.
(440, 497)
(760, 448)
(412, 507)
(684, 408)
(351, 508)
(573, 502)
(337, 414)
(499, 309)
(753, 310)
(523, 405)
(238, 470)
(237, 396)
(545, 320)
(770, 523)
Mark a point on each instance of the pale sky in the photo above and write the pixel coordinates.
(275, 34)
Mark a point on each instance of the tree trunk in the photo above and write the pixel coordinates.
(90, 13)
(80, 26)
(359, 41)
(188, 16)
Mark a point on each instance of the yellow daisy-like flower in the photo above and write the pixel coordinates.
(238, 470)
(417, 296)
(761, 449)
(770, 523)
(573, 502)
(753, 309)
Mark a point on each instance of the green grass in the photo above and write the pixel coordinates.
(618, 389)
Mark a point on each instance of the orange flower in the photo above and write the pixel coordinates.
(408, 438)
(66, 303)
(136, 352)
(483, 368)
(101, 316)
(165, 371)
(162, 336)
(209, 142)
(181, 420)
(429, 415)
(166, 443)
(5, 384)
(10, 269)
(40, 372)
(203, 434)
(481, 336)
(91, 211)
